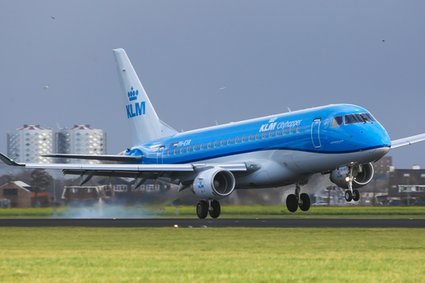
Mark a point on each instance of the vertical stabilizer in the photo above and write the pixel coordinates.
(146, 125)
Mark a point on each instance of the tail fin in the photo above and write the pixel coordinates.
(139, 110)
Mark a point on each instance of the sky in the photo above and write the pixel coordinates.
(208, 62)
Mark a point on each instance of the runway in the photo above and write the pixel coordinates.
(215, 223)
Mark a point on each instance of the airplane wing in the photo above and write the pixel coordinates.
(118, 158)
(123, 170)
(407, 141)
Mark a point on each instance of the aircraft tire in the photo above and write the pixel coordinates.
(202, 209)
(215, 209)
(348, 196)
(292, 203)
(356, 195)
(305, 202)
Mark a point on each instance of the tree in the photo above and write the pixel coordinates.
(40, 181)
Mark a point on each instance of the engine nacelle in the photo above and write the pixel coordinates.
(362, 175)
(215, 183)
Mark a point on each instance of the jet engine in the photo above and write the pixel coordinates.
(362, 175)
(215, 183)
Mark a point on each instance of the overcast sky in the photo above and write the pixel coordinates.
(208, 61)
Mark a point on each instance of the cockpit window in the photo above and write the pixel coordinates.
(368, 117)
(336, 122)
(358, 118)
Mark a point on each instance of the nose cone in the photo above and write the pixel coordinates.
(375, 136)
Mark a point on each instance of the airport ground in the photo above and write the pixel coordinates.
(117, 254)
(65, 254)
(228, 211)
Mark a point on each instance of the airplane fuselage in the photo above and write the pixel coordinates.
(282, 148)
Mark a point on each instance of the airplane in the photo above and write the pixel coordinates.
(341, 140)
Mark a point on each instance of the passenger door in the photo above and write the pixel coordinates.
(160, 155)
(315, 133)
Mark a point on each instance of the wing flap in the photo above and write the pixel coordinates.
(407, 141)
(114, 167)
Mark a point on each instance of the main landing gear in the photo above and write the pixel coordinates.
(293, 201)
(351, 194)
(205, 207)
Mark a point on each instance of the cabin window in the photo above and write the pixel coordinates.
(270, 134)
(195, 147)
(249, 138)
(181, 150)
(175, 151)
(215, 144)
(222, 142)
(277, 133)
(336, 122)
(229, 141)
(243, 139)
(297, 130)
(209, 145)
(283, 131)
(169, 152)
(201, 146)
(290, 130)
(263, 135)
(188, 149)
(236, 140)
(256, 137)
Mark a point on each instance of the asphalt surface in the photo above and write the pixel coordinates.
(197, 223)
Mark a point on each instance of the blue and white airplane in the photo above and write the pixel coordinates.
(341, 140)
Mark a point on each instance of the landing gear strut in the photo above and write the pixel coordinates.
(205, 207)
(293, 201)
(351, 194)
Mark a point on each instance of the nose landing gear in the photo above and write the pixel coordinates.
(351, 194)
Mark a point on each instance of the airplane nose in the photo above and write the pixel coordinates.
(385, 139)
(376, 137)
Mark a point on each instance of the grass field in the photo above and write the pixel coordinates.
(228, 211)
(211, 255)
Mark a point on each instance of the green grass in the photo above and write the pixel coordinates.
(228, 211)
(211, 255)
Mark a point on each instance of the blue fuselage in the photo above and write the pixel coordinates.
(333, 129)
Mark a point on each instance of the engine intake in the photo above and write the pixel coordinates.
(215, 183)
(362, 175)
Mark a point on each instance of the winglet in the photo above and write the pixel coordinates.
(9, 161)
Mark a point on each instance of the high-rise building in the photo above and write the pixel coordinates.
(29, 143)
(382, 166)
(81, 139)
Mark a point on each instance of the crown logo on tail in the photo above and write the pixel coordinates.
(132, 94)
